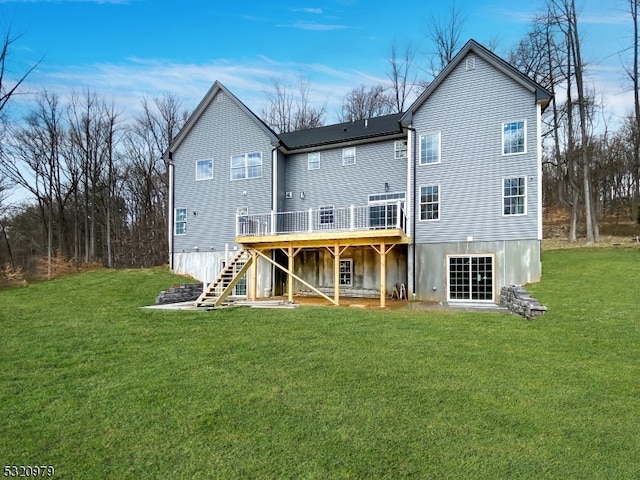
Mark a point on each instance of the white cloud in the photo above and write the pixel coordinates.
(126, 84)
(315, 11)
(322, 27)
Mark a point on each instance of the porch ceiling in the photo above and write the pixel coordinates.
(325, 239)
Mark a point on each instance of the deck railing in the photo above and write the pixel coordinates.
(325, 219)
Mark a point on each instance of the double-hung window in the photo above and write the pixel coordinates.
(248, 165)
(430, 202)
(400, 149)
(514, 196)
(349, 156)
(180, 221)
(313, 161)
(430, 148)
(514, 137)
(204, 169)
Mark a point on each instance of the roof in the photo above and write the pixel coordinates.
(202, 106)
(343, 132)
(542, 95)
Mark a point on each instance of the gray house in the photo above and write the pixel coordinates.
(443, 201)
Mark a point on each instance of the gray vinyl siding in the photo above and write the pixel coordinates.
(223, 130)
(343, 186)
(469, 108)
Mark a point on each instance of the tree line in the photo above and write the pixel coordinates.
(99, 188)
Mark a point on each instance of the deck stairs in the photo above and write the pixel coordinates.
(217, 292)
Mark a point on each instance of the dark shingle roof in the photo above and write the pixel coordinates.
(343, 132)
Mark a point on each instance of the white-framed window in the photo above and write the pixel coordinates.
(400, 149)
(346, 272)
(349, 156)
(430, 148)
(470, 277)
(313, 161)
(430, 202)
(204, 169)
(514, 196)
(180, 221)
(326, 215)
(248, 165)
(383, 210)
(514, 137)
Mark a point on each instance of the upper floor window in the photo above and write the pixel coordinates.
(313, 161)
(430, 202)
(514, 194)
(204, 169)
(400, 149)
(430, 148)
(349, 156)
(514, 138)
(180, 221)
(248, 165)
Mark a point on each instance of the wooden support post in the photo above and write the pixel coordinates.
(254, 277)
(290, 255)
(383, 275)
(336, 274)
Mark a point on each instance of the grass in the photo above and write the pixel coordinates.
(98, 388)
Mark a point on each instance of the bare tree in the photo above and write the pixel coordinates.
(9, 87)
(363, 102)
(444, 33)
(401, 75)
(288, 112)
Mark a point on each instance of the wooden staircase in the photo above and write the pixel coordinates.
(218, 290)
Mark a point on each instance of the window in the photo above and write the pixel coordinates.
(514, 138)
(180, 222)
(346, 272)
(514, 194)
(313, 161)
(383, 210)
(246, 166)
(430, 148)
(326, 215)
(470, 278)
(204, 169)
(430, 202)
(400, 149)
(349, 156)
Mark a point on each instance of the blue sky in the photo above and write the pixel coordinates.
(124, 49)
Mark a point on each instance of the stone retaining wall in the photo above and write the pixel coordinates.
(518, 300)
(184, 293)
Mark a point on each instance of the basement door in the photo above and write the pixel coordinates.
(240, 290)
(470, 278)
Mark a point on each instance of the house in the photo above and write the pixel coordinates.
(443, 200)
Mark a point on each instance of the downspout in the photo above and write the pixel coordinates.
(170, 212)
(413, 204)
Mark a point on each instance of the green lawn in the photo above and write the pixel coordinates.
(98, 388)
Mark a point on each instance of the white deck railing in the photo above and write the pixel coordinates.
(368, 217)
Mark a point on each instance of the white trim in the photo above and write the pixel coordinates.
(246, 166)
(539, 167)
(170, 228)
(198, 179)
(471, 255)
(350, 262)
(524, 122)
(430, 134)
(309, 160)
(343, 157)
(419, 203)
(175, 221)
(526, 195)
(274, 179)
(409, 200)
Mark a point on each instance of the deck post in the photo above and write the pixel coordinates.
(310, 220)
(383, 275)
(336, 273)
(254, 276)
(352, 220)
(273, 222)
(289, 277)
